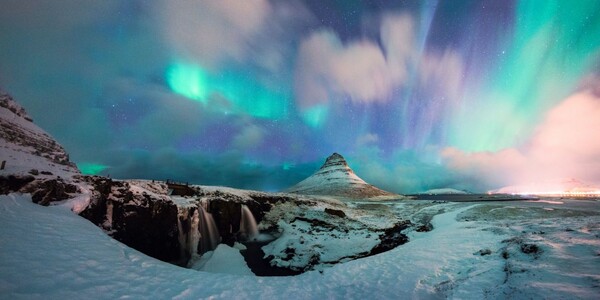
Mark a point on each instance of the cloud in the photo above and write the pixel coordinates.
(250, 137)
(325, 66)
(442, 71)
(365, 139)
(564, 145)
(365, 71)
(213, 31)
(360, 69)
(397, 36)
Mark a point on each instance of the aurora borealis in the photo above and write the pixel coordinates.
(255, 94)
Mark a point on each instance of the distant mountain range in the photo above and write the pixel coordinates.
(445, 191)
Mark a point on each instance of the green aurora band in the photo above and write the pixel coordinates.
(552, 49)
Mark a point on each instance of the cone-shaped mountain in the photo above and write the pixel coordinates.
(336, 178)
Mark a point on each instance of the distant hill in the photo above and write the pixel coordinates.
(444, 191)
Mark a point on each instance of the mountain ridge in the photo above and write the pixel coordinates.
(25, 146)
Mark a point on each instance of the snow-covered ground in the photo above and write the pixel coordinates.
(474, 251)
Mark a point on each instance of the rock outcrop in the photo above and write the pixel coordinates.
(134, 216)
(336, 178)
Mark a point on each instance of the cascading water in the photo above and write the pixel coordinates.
(187, 225)
(248, 226)
(209, 234)
(198, 232)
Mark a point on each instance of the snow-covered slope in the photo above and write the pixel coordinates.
(50, 253)
(24, 146)
(336, 178)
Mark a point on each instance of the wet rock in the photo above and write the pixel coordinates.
(34, 172)
(424, 228)
(483, 252)
(335, 212)
(227, 216)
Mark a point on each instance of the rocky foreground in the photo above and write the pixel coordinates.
(304, 233)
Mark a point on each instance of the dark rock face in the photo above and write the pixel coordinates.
(142, 222)
(150, 228)
(263, 203)
(96, 211)
(227, 216)
(13, 183)
(260, 265)
(335, 212)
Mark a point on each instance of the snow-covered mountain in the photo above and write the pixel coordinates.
(26, 147)
(444, 191)
(336, 178)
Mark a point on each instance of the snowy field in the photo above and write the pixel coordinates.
(494, 250)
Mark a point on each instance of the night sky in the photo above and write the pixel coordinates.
(256, 94)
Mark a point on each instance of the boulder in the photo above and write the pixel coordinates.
(335, 212)
(47, 191)
(13, 183)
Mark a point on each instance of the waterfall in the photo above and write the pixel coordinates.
(194, 234)
(109, 215)
(209, 234)
(248, 227)
(198, 232)
(188, 231)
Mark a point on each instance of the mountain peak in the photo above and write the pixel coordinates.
(335, 161)
(336, 178)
